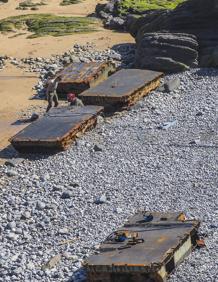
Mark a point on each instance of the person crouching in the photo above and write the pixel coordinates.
(74, 101)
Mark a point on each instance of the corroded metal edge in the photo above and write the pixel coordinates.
(123, 101)
(89, 76)
(61, 144)
(89, 71)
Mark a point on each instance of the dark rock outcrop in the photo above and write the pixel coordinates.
(167, 51)
(110, 16)
(173, 40)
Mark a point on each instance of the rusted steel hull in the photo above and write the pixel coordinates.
(122, 89)
(143, 250)
(78, 77)
(56, 130)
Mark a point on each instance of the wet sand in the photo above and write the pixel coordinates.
(15, 95)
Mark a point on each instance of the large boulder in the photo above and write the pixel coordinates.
(168, 52)
(111, 18)
(178, 36)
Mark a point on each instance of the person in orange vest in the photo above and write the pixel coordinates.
(51, 92)
(74, 101)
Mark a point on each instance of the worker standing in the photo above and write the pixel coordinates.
(51, 92)
(74, 101)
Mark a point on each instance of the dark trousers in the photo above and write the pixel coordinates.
(52, 96)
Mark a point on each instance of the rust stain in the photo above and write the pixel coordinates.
(161, 239)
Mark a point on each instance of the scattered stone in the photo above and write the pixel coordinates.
(100, 120)
(34, 117)
(30, 265)
(18, 231)
(66, 195)
(35, 177)
(14, 162)
(172, 85)
(75, 59)
(15, 257)
(96, 148)
(195, 142)
(57, 188)
(161, 88)
(12, 236)
(63, 231)
(11, 225)
(52, 262)
(26, 215)
(167, 125)
(101, 200)
(138, 105)
(73, 258)
(199, 114)
(118, 210)
(40, 205)
(45, 177)
(74, 184)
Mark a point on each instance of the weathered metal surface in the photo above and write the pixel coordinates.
(78, 77)
(56, 130)
(150, 252)
(123, 88)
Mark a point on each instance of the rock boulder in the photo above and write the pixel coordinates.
(169, 52)
(177, 39)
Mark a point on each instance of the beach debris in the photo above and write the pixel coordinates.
(56, 130)
(167, 125)
(52, 262)
(148, 247)
(122, 89)
(172, 84)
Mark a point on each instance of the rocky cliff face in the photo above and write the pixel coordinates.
(174, 40)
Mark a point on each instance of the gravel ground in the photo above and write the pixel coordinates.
(47, 200)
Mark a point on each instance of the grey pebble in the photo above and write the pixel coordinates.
(40, 205)
(101, 199)
(63, 231)
(11, 173)
(66, 195)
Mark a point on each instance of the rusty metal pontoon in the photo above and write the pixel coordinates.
(146, 249)
(78, 77)
(123, 88)
(56, 130)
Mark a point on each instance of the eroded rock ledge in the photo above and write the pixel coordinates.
(178, 39)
